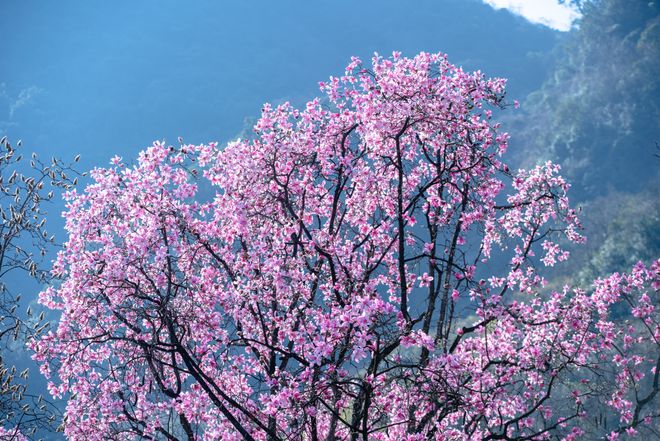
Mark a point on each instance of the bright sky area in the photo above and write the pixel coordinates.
(547, 12)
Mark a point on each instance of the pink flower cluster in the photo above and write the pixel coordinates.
(327, 279)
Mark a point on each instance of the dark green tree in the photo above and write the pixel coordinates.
(599, 111)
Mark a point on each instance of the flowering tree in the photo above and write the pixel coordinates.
(353, 272)
(24, 241)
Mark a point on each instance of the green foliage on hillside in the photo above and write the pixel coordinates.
(623, 230)
(599, 112)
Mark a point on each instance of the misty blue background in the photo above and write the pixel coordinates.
(106, 78)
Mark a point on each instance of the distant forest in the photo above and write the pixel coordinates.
(598, 115)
